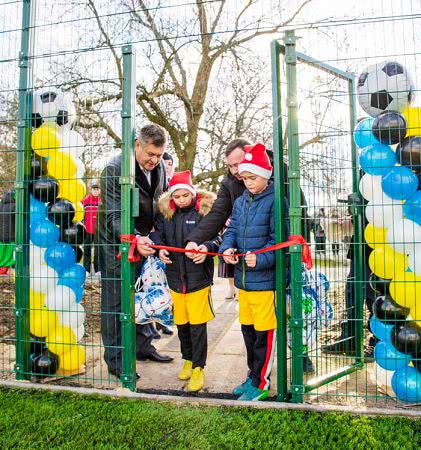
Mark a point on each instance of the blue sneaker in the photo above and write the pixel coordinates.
(241, 388)
(254, 394)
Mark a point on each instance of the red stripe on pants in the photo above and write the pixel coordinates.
(267, 359)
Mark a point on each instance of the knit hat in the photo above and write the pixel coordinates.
(182, 180)
(256, 161)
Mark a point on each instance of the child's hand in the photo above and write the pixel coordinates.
(163, 256)
(199, 258)
(250, 259)
(229, 257)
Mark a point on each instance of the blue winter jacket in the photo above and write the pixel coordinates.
(252, 227)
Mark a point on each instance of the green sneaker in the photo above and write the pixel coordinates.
(241, 388)
(254, 394)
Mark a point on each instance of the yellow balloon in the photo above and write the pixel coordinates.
(36, 300)
(374, 236)
(42, 322)
(80, 213)
(405, 289)
(61, 166)
(45, 140)
(73, 359)
(413, 121)
(61, 340)
(386, 263)
(72, 190)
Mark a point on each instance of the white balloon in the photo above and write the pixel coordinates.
(44, 279)
(80, 171)
(383, 215)
(382, 377)
(79, 332)
(74, 316)
(371, 188)
(71, 142)
(36, 256)
(402, 236)
(62, 298)
(414, 260)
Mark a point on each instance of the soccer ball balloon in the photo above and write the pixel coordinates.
(385, 86)
(52, 105)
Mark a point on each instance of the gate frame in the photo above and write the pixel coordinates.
(297, 386)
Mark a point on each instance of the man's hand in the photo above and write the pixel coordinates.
(163, 256)
(250, 259)
(191, 246)
(143, 248)
(229, 257)
(198, 258)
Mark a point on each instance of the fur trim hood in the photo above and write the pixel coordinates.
(204, 203)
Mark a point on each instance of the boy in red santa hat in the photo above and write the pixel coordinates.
(181, 209)
(252, 228)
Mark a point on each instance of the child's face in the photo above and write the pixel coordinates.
(182, 198)
(254, 183)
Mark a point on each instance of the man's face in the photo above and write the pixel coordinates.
(233, 160)
(254, 183)
(147, 155)
(182, 198)
(95, 191)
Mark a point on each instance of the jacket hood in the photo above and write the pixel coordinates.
(204, 202)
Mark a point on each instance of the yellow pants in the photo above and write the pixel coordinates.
(194, 308)
(257, 308)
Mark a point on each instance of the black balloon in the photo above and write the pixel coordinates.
(78, 252)
(409, 152)
(407, 338)
(37, 167)
(389, 127)
(44, 189)
(61, 212)
(45, 364)
(37, 346)
(379, 285)
(75, 234)
(386, 310)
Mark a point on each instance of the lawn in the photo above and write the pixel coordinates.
(33, 419)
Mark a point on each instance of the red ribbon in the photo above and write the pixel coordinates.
(133, 256)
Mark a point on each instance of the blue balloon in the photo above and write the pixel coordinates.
(60, 257)
(76, 274)
(406, 382)
(76, 288)
(400, 183)
(363, 134)
(412, 208)
(37, 211)
(377, 159)
(381, 329)
(44, 233)
(389, 358)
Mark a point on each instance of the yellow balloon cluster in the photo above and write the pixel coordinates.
(386, 263)
(45, 140)
(374, 236)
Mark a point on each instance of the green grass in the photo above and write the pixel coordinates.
(33, 419)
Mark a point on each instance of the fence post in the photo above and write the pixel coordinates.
(281, 332)
(23, 171)
(128, 333)
(296, 321)
(357, 213)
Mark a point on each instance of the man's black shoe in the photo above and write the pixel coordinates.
(167, 330)
(344, 346)
(157, 357)
(117, 373)
(156, 336)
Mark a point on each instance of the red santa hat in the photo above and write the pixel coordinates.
(182, 180)
(256, 161)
